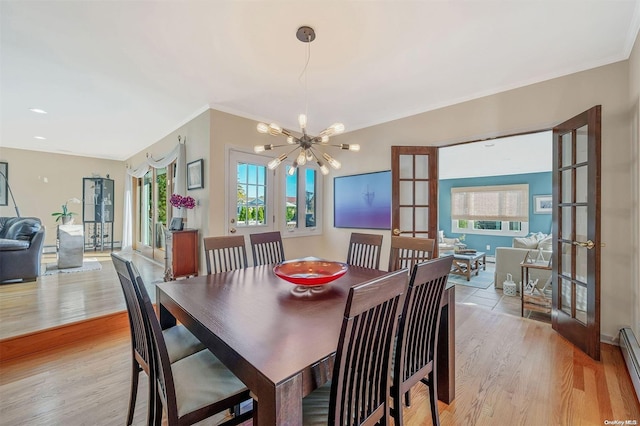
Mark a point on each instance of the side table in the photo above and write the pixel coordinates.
(70, 246)
(531, 301)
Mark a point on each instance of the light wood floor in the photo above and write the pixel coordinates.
(55, 300)
(509, 371)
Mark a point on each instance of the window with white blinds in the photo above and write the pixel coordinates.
(495, 203)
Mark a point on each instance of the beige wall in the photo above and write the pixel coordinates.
(41, 182)
(195, 134)
(534, 107)
(634, 117)
(229, 131)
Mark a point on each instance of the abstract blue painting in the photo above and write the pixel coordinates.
(362, 201)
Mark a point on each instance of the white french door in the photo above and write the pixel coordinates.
(251, 194)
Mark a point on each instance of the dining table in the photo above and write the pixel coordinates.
(280, 339)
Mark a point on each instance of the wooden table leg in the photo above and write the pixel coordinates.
(279, 404)
(445, 363)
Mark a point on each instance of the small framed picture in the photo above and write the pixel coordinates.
(542, 204)
(176, 224)
(4, 184)
(194, 175)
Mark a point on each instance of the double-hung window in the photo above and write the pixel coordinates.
(491, 210)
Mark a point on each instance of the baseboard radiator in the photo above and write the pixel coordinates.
(631, 353)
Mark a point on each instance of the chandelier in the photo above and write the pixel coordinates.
(306, 145)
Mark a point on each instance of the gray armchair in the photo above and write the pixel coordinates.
(21, 240)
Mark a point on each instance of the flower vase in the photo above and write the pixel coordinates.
(183, 215)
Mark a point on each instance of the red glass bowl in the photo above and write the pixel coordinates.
(310, 271)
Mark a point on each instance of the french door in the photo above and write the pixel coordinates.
(153, 212)
(414, 199)
(576, 231)
(251, 194)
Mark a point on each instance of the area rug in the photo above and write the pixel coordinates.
(483, 280)
(88, 264)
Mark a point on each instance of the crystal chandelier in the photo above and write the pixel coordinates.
(305, 145)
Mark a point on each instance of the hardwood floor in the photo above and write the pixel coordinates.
(509, 371)
(57, 300)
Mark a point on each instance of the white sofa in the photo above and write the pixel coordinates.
(508, 259)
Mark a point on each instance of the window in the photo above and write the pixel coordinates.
(252, 189)
(491, 210)
(300, 196)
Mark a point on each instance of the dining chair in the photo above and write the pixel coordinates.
(408, 251)
(225, 253)
(359, 390)
(415, 355)
(179, 341)
(191, 389)
(267, 248)
(364, 250)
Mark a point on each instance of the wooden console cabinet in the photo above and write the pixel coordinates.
(181, 254)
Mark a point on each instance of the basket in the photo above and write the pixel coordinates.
(509, 288)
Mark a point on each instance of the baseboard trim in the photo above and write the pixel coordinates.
(42, 340)
(631, 354)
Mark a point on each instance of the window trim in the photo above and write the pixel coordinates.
(498, 233)
(277, 178)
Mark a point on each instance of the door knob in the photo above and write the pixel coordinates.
(232, 230)
(397, 232)
(589, 244)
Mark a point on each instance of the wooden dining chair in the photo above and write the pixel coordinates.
(191, 389)
(364, 250)
(267, 248)
(408, 251)
(359, 391)
(415, 355)
(196, 387)
(179, 341)
(225, 253)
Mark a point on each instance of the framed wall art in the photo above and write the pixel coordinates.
(194, 175)
(542, 204)
(362, 201)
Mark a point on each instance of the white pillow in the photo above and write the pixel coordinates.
(526, 242)
(546, 244)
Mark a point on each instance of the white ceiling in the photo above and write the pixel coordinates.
(117, 76)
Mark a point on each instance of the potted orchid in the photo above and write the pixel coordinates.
(65, 216)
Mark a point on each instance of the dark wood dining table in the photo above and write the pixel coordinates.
(278, 341)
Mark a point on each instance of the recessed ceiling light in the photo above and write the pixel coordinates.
(40, 137)
(38, 110)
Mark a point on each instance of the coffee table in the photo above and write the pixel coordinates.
(466, 264)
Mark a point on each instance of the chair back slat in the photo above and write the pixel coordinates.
(364, 250)
(225, 253)
(267, 248)
(418, 328)
(128, 274)
(408, 251)
(360, 384)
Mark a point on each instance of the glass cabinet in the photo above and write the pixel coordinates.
(97, 212)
